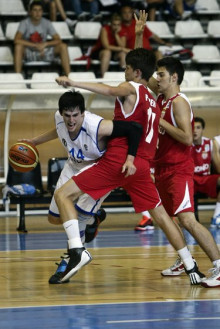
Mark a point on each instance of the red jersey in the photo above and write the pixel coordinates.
(130, 36)
(202, 156)
(145, 112)
(110, 36)
(171, 151)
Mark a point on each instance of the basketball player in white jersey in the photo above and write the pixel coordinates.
(83, 134)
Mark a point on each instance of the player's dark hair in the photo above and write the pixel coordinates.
(172, 65)
(70, 100)
(201, 120)
(143, 60)
(35, 3)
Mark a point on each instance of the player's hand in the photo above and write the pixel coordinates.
(140, 22)
(128, 167)
(64, 81)
(23, 140)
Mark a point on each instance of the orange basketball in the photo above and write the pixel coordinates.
(23, 156)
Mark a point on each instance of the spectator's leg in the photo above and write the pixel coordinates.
(53, 11)
(18, 58)
(94, 8)
(62, 51)
(105, 57)
(121, 57)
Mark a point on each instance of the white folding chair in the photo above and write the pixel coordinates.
(39, 78)
(63, 30)
(87, 30)
(6, 57)
(207, 7)
(189, 30)
(114, 78)
(207, 54)
(83, 76)
(11, 29)
(192, 79)
(213, 29)
(76, 52)
(161, 29)
(12, 8)
(215, 78)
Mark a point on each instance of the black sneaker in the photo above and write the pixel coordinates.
(58, 275)
(79, 257)
(92, 230)
(195, 275)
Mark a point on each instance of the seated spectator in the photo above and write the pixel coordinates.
(152, 7)
(80, 6)
(181, 9)
(31, 40)
(203, 155)
(111, 45)
(57, 5)
(128, 25)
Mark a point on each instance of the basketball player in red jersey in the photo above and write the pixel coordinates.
(133, 102)
(204, 156)
(173, 161)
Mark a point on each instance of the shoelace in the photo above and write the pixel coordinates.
(214, 271)
(66, 256)
(177, 263)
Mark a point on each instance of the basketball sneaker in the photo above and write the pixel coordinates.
(146, 223)
(92, 230)
(176, 269)
(215, 222)
(57, 276)
(195, 276)
(78, 257)
(214, 280)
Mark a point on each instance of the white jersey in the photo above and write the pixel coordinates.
(83, 149)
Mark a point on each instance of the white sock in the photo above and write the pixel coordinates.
(72, 230)
(146, 213)
(217, 209)
(186, 257)
(216, 263)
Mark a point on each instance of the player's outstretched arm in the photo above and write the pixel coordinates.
(43, 138)
(122, 90)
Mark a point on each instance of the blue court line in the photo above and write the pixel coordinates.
(123, 238)
(147, 315)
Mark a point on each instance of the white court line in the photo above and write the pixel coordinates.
(161, 320)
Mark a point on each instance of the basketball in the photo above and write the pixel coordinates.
(23, 156)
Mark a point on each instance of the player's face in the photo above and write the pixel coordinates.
(36, 13)
(197, 132)
(73, 120)
(129, 73)
(164, 79)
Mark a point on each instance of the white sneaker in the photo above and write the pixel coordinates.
(214, 280)
(174, 270)
(70, 22)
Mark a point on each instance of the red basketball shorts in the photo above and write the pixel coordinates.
(105, 175)
(206, 184)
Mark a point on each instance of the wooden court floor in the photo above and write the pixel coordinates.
(123, 275)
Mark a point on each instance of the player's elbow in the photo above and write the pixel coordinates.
(188, 140)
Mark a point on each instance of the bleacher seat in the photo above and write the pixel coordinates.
(214, 78)
(207, 7)
(83, 76)
(12, 8)
(87, 30)
(192, 79)
(76, 52)
(189, 30)
(45, 76)
(11, 29)
(63, 30)
(213, 29)
(161, 29)
(116, 77)
(6, 57)
(207, 54)
(8, 78)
